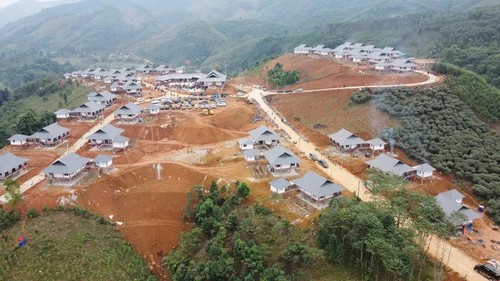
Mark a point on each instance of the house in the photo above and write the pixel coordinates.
(245, 144)
(424, 170)
(163, 69)
(281, 160)
(213, 79)
(132, 88)
(391, 165)
(377, 144)
(402, 65)
(264, 136)
(179, 80)
(50, 135)
(104, 98)
(317, 189)
(153, 109)
(66, 170)
(302, 49)
(11, 165)
(380, 66)
(346, 140)
(451, 203)
(146, 69)
(63, 113)
(128, 113)
(105, 136)
(89, 111)
(115, 87)
(251, 155)
(180, 69)
(18, 140)
(280, 185)
(67, 75)
(103, 161)
(120, 142)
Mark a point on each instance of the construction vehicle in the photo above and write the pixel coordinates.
(207, 112)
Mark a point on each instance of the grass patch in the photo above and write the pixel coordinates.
(69, 244)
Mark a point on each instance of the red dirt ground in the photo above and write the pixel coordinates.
(321, 73)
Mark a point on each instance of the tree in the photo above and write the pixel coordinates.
(27, 123)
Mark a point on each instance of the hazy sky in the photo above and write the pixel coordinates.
(4, 3)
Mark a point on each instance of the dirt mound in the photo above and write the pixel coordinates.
(236, 116)
(196, 133)
(150, 209)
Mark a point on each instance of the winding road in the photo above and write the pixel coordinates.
(452, 257)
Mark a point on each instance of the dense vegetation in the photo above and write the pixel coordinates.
(383, 238)
(473, 90)
(361, 96)
(231, 240)
(68, 244)
(437, 126)
(30, 107)
(279, 78)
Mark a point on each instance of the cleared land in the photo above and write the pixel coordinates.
(321, 73)
(65, 246)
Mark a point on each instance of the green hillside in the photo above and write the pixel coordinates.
(68, 245)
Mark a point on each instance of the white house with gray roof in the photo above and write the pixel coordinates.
(18, 140)
(11, 165)
(120, 142)
(129, 113)
(214, 79)
(105, 136)
(88, 111)
(103, 161)
(280, 185)
(145, 69)
(104, 98)
(424, 170)
(67, 170)
(153, 109)
(251, 155)
(264, 136)
(245, 144)
(318, 190)
(401, 65)
(391, 165)
(451, 203)
(346, 140)
(281, 160)
(50, 135)
(132, 88)
(63, 113)
(302, 49)
(376, 144)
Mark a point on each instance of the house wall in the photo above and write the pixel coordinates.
(377, 147)
(120, 145)
(424, 175)
(276, 190)
(246, 147)
(18, 142)
(62, 116)
(105, 165)
(251, 159)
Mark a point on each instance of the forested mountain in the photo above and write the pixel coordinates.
(24, 8)
(238, 33)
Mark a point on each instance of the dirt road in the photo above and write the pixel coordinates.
(454, 258)
(73, 149)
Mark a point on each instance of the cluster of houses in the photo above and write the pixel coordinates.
(264, 143)
(386, 58)
(70, 168)
(214, 79)
(91, 110)
(349, 142)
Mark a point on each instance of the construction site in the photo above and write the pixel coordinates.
(169, 153)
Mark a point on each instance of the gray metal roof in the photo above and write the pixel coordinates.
(245, 141)
(279, 155)
(448, 201)
(129, 109)
(280, 183)
(132, 86)
(180, 76)
(102, 96)
(153, 107)
(120, 139)
(401, 63)
(50, 132)
(213, 76)
(108, 132)
(376, 141)
(63, 111)
(251, 153)
(317, 186)
(68, 164)
(18, 137)
(102, 158)
(424, 168)
(263, 133)
(89, 107)
(344, 137)
(9, 161)
(388, 164)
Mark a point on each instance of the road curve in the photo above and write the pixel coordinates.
(453, 257)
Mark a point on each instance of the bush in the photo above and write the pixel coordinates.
(32, 213)
(361, 97)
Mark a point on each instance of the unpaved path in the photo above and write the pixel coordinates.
(73, 149)
(454, 258)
